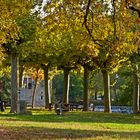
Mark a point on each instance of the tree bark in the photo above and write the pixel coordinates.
(95, 91)
(135, 93)
(86, 89)
(66, 86)
(14, 82)
(46, 78)
(21, 70)
(106, 82)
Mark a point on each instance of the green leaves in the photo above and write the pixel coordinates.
(60, 36)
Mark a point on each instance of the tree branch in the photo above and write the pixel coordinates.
(114, 20)
(135, 10)
(87, 11)
(96, 41)
(131, 7)
(86, 26)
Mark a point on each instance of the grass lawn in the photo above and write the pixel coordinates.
(73, 125)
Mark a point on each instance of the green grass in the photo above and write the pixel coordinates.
(44, 124)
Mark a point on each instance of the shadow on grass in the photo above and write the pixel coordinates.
(85, 117)
(47, 133)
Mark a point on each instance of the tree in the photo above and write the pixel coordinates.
(133, 7)
(113, 37)
(12, 35)
(47, 89)
(134, 59)
(35, 85)
(65, 39)
(76, 86)
(125, 85)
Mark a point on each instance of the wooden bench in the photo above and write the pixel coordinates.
(76, 106)
(60, 109)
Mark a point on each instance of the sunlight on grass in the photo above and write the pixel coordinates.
(73, 125)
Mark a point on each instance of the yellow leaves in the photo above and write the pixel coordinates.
(128, 48)
(1, 55)
(102, 28)
(10, 11)
(124, 48)
(91, 49)
(35, 72)
(14, 8)
(8, 30)
(2, 37)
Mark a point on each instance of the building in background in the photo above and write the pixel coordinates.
(27, 91)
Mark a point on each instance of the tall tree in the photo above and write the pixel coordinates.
(47, 89)
(11, 33)
(134, 9)
(63, 28)
(112, 37)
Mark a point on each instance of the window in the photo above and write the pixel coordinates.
(41, 97)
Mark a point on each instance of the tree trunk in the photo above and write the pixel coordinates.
(135, 93)
(34, 90)
(86, 89)
(50, 93)
(95, 91)
(114, 88)
(115, 93)
(47, 95)
(14, 82)
(106, 82)
(21, 70)
(66, 86)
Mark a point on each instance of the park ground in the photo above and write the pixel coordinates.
(77, 125)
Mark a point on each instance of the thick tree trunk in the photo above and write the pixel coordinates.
(106, 82)
(135, 93)
(47, 93)
(14, 82)
(86, 89)
(66, 86)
